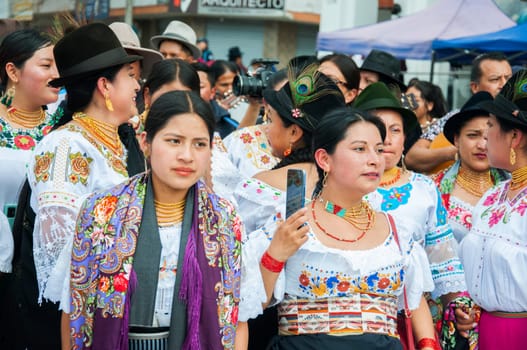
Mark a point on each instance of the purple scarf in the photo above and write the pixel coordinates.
(105, 239)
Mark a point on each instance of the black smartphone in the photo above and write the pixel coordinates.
(296, 191)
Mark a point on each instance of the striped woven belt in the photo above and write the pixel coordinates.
(145, 338)
(503, 314)
(350, 315)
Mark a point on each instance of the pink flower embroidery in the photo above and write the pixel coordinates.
(496, 216)
(521, 207)
(246, 137)
(296, 113)
(491, 199)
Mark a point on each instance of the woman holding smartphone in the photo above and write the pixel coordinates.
(292, 114)
(338, 280)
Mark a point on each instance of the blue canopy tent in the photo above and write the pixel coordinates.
(411, 37)
(511, 41)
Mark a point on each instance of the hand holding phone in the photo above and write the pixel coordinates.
(296, 191)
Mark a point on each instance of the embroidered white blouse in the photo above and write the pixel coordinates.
(418, 207)
(67, 166)
(16, 147)
(170, 240)
(242, 154)
(317, 271)
(494, 252)
(249, 150)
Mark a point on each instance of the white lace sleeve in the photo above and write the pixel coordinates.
(252, 291)
(6, 245)
(61, 175)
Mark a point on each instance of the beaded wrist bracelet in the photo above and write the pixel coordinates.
(428, 343)
(271, 263)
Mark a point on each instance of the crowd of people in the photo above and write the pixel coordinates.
(144, 203)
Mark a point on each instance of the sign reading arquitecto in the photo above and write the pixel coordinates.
(242, 7)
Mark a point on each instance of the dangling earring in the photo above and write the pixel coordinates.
(108, 102)
(512, 156)
(143, 115)
(288, 150)
(7, 97)
(325, 179)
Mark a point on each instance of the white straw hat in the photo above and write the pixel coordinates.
(180, 32)
(130, 41)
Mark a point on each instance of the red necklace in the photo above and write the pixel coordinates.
(331, 235)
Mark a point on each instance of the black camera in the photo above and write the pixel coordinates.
(254, 85)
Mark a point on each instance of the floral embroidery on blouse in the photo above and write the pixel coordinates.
(498, 213)
(80, 168)
(42, 167)
(259, 188)
(27, 139)
(322, 284)
(395, 196)
(117, 164)
(246, 137)
(460, 214)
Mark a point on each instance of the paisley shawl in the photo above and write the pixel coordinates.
(102, 278)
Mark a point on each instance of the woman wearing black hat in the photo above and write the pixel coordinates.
(84, 155)
(461, 187)
(494, 252)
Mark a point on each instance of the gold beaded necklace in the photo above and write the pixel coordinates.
(389, 177)
(105, 133)
(474, 182)
(362, 217)
(28, 120)
(169, 214)
(519, 178)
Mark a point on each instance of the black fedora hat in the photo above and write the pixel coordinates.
(511, 103)
(378, 96)
(306, 97)
(386, 65)
(472, 108)
(87, 49)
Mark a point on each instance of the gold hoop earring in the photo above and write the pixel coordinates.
(512, 156)
(7, 97)
(108, 102)
(325, 179)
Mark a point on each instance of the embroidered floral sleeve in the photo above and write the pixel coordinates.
(61, 176)
(442, 249)
(257, 202)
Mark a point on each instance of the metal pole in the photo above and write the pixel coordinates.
(128, 13)
(432, 66)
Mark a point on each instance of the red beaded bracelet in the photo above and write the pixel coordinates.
(428, 343)
(271, 263)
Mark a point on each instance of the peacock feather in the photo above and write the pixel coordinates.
(306, 84)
